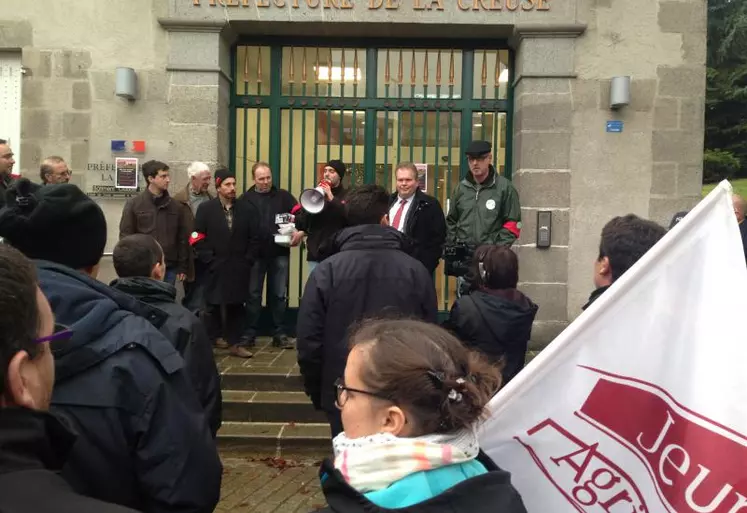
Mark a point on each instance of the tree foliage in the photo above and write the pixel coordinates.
(726, 91)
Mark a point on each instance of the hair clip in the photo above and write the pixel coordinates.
(455, 396)
(437, 378)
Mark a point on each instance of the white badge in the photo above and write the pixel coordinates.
(490, 204)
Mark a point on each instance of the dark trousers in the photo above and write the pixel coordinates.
(276, 270)
(194, 296)
(335, 422)
(225, 321)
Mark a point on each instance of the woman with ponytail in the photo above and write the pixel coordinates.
(410, 399)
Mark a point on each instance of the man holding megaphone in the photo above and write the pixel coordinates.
(322, 213)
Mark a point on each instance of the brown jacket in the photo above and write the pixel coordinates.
(183, 198)
(165, 220)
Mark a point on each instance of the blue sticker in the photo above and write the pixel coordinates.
(615, 126)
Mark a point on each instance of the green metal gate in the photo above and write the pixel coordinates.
(297, 105)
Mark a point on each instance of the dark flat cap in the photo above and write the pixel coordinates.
(479, 148)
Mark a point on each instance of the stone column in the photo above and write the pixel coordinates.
(541, 167)
(198, 98)
(679, 107)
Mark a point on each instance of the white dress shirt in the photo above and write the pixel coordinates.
(395, 208)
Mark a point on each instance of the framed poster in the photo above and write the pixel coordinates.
(422, 176)
(126, 173)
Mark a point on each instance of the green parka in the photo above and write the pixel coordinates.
(487, 213)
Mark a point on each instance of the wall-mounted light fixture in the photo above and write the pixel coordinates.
(619, 92)
(126, 83)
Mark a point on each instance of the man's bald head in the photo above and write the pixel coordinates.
(740, 207)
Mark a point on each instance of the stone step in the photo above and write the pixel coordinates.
(275, 439)
(261, 380)
(264, 406)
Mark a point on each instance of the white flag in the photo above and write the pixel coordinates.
(640, 405)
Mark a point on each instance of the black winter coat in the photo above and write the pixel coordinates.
(370, 276)
(498, 323)
(33, 449)
(143, 440)
(187, 333)
(487, 493)
(425, 225)
(227, 255)
(321, 228)
(269, 205)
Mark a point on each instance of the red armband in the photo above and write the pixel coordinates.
(295, 209)
(513, 227)
(196, 237)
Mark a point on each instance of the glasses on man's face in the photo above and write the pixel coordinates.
(343, 391)
(61, 332)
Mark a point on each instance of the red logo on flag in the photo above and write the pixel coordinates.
(695, 465)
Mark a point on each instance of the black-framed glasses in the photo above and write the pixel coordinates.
(341, 390)
(61, 332)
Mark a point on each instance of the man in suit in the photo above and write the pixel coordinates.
(418, 216)
(225, 239)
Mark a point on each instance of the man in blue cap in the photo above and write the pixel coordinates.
(485, 207)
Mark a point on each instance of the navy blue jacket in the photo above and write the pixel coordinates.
(143, 440)
(370, 276)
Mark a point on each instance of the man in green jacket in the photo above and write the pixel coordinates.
(485, 207)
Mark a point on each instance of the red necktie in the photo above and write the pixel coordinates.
(398, 215)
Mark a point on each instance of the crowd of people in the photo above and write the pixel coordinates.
(110, 397)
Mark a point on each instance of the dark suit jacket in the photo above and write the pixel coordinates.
(425, 226)
(227, 255)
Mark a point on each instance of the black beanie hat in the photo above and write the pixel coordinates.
(338, 166)
(58, 223)
(221, 174)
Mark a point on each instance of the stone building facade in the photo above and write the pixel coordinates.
(563, 52)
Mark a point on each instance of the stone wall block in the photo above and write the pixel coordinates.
(31, 156)
(694, 47)
(194, 78)
(544, 112)
(79, 156)
(76, 125)
(532, 85)
(81, 96)
(546, 57)
(683, 81)
(690, 179)
(544, 189)
(585, 94)
(103, 83)
(16, 34)
(560, 227)
(677, 146)
(661, 210)
(542, 265)
(642, 93)
(35, 124)
(32, 93)
(190, 142)
(72, 64)
(666, 114)
(544, 150)
(664, 178)
(194, 104)
(38, 63)
(692, 113)
(544, 332)
(552, 299)
(679, 17)
(154, 85)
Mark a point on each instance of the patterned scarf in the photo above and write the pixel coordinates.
(374, 462)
